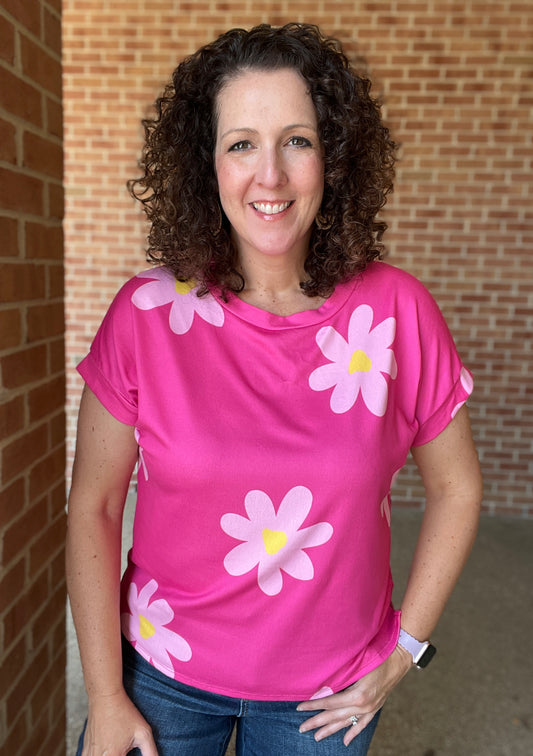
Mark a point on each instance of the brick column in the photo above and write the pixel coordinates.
(32, 382)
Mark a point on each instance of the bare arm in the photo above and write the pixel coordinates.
(450, 472)
(106, 452)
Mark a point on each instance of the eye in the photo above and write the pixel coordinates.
(241, 146)
(298, 141)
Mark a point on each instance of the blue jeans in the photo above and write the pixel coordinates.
(186, 721)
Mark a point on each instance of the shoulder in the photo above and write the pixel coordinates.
(382, 273)
(396, 285)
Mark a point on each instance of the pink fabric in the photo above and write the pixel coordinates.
(267, 449)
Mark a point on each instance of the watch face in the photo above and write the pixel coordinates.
(427, 656)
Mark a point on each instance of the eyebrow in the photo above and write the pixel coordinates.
(247, 130)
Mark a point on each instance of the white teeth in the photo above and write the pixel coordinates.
(268, 209)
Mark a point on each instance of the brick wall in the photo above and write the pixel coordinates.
(32, 382)
(457, 83)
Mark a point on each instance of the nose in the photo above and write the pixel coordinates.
(270, 169)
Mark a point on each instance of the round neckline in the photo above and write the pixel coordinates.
(270, 321)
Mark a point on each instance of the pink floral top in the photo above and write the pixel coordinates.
(267, 449)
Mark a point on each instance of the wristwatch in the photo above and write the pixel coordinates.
(421, 651)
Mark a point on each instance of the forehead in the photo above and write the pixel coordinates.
(257, 93)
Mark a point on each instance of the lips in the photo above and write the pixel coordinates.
(271, 208)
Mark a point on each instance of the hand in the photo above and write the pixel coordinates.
(364, 699)
(115, 727)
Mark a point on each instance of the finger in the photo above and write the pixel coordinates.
(351, 730)
(354, 730)
(147, 745)
(339, 717)
(335, 701)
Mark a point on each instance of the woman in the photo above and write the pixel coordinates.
(270, 377)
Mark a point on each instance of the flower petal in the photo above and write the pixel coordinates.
(260, 508)
(314, 535)
(345, 393)
(299, 565)
(145, 594)
(360, 325)
(383, 334)
(209, 309)
(175, 644)
(326, 376)
(375, 393)
(294, 508)
(269, 578)
(242, 558)
(159, 291)
(237, 526)
(159, 612)
(332, 344)
(181, 315)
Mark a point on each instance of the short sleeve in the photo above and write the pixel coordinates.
(444, 382)
(110, 367)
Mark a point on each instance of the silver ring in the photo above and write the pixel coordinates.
(354, 720)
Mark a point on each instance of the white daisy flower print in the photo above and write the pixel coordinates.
(385, 502)
(467, 382)
(273, 541)
(164, 288)
(358, 365)
(322, 693)
(146, 626)
(141, 464)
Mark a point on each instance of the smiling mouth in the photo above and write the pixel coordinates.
(271, 209)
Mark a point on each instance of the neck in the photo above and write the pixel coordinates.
(273, 284)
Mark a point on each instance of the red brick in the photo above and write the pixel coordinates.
(45, 321)
(12, 416)
(56, 281)
(43, 155)
(20, 98)
(21, 453)
(7, 40)
(44, 242)
(12, 584)
(12, 501)
(52, 30)
(20, 192)
(10, 328)
(9, 236)
(46, 398)
(53, 610)
(24, 366)
(8, 150)
(17, 733)
(19, 617)
(19, 282)
(28, 14)
(40, 66)
(56, 201)
(54, 118)
(47, 472)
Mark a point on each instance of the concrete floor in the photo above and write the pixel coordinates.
(476, 698)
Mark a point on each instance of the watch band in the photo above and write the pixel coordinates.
(421, 651)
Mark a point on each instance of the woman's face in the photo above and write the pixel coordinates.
(269, 163)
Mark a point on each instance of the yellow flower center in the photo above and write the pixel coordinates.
(360, 362)
(274, 540)
(146, 627)
(184, 287)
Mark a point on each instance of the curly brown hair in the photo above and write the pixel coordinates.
(179, 188)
